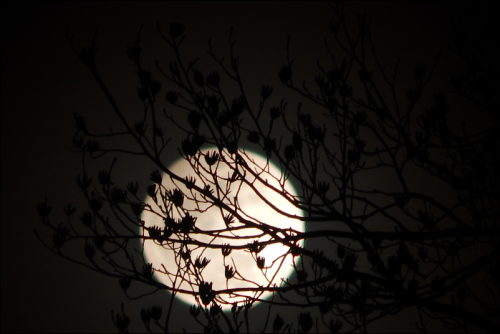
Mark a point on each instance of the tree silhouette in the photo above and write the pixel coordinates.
(401, 205)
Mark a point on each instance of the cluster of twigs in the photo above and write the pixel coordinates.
(376, 242)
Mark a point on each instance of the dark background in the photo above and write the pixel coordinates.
(43, 84)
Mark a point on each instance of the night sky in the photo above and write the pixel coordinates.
(44, 84)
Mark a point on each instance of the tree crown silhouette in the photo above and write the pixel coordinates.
(401, 207)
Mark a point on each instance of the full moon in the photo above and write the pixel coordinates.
(181, 265)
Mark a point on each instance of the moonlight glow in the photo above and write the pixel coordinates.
(172, 270)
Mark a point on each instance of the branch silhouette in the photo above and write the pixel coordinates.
(376, 243)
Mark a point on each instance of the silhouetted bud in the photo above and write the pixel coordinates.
(140, 128)
(232, 147)
(301, 275)
(226, 250)
(104, 177)
(194, 119)
(238, 105)
(214, 310)
(253, 137)
(190, 182)
(229, 272)
(77, 142)
(171, 97)
(80, 124)
(185, 254)
(188, 147)
(201, 263)
(360, 144)
(87, 218)
(125, 283)
(176, 29)
(187, 223)
(285, 74)
(401, 200)
(305, 119)
(198, 78)
(269, 144)
(90, 250)
(92, 146)
(154, 232)
(261, 262)
(323, 187)
(224, 118)
(133, 52)
(305, 322)
(137, 208)
(59, 239)
(69, 210)
(335, 326)
(350, 261)
(228, 219)
(177, 197)
(211, 158)
(155, 87)
(206, 293)
(43, 209)
(145, 316)
(151, 190)
(143, 93)
(207, 191)
(289, 153)
(155, 176)
(156, 312)
(255, 247)
(96, 204)
(84, 182)
(265, 92)
(213, 79)
(147, 270)
(122, 322)
(278, 323)
(157, 131)
(341, 251)
(99, 241)
(412, 95)
(275, 112)
(194, 310)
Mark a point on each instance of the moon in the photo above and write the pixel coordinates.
(181, 272)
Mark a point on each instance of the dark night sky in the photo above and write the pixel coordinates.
(43, 84)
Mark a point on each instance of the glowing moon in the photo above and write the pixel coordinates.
(172, 270)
